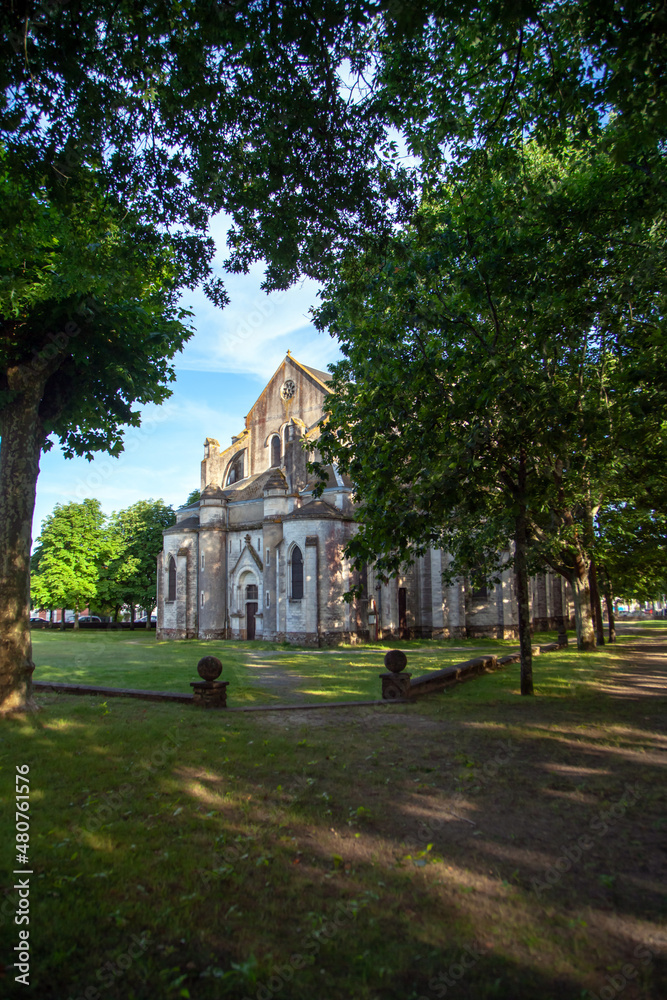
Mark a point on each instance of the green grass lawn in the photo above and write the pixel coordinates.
(258, 672)
(397, 853)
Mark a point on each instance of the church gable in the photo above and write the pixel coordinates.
(292, 388)
(288, 407)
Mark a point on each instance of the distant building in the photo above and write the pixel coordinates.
(258, 558)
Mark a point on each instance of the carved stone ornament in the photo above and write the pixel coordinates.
(288, 389)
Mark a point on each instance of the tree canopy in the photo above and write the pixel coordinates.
(68, 557)
(282, 114)
(632, 545)
(88, 309)
(199, 108)
(83, 558)
(137, 536)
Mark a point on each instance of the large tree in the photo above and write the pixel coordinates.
(69, 554)
(89, 320)
(122, 127)
(483, 396)
(137, 532)
(632, 547)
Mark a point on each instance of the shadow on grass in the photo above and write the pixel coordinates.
(428, 851)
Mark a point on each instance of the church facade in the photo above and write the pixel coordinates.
(257, 557)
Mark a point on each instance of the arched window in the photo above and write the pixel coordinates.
(251, 593)
(171, 583)
(236, 469)
(275, 451)
(297, 573)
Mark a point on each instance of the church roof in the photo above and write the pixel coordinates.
(184, 525)
(250, 488)
(315, 372)
(317, 510)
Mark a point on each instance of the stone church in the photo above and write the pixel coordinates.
(257, 557)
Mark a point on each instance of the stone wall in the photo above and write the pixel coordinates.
(179, 618)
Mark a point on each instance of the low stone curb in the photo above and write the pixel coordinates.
(111, 692)
(443, 679)
(188, 698)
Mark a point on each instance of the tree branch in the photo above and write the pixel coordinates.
(511, 84)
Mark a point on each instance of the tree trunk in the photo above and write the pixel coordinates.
(62, 619)
(76, 618)
(581, 592)
(521, 574)
(148, 619)
(132, 614)
(605, 583)
(22, 439)
(610, 614)
(561, 624)
(596, 605)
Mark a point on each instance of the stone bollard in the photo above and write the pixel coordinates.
(209, 692)
(395, 684)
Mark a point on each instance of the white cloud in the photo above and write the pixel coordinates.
(254, 332)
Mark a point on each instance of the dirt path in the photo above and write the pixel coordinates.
(275, 679)
(641, 670)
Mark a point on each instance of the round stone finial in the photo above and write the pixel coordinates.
(395, 660)
(209, 668)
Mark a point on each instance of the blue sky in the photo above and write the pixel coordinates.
(222, 370)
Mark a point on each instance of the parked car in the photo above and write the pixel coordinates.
(143, 619)
(88, 619)
(38, 622)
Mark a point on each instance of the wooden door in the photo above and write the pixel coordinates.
(250, 612)
(403, 630)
